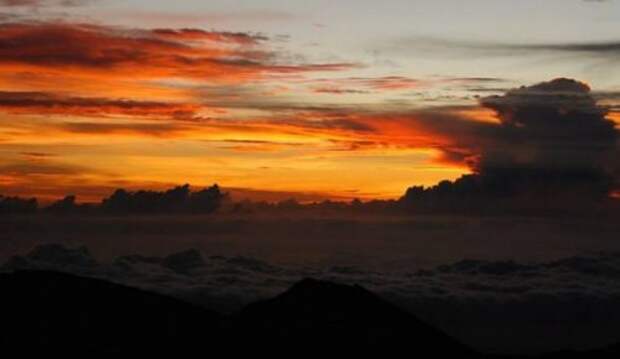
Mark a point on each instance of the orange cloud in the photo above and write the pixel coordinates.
(364, 85)
(615, 117)
(388, 82)
(155, 104)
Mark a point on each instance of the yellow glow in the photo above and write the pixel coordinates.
(481, 115)
(615, 117)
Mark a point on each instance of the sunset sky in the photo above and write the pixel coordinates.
(329, 99)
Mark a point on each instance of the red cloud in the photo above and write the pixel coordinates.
(188, 53)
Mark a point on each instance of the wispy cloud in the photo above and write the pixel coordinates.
(41, 3)
(434, 46)
(50, 103)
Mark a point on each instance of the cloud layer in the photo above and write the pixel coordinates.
(551, 129)
(577, 293)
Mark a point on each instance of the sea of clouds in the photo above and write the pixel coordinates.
(487, 304)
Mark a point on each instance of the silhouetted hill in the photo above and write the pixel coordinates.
(318, 314)
(48, 311)
(54, 312)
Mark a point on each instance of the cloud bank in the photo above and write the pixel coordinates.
(580, 294)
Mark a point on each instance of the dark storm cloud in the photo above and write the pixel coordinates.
(552, 137)
(555, 124)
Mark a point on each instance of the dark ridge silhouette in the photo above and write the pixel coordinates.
(54, 312)
(604, 353)
(344, 317)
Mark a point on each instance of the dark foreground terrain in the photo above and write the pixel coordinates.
(47, 312)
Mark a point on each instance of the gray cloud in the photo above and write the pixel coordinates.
(606, 48)
(434, 46)
(558, 122)
(41, 3)
(551, 136)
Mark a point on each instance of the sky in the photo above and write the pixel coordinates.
(319, 99)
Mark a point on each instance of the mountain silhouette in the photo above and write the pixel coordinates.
(54, 312)
(317, 314)
(49, 312)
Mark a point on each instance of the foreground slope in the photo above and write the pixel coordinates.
(52, 312)
(49, 311)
